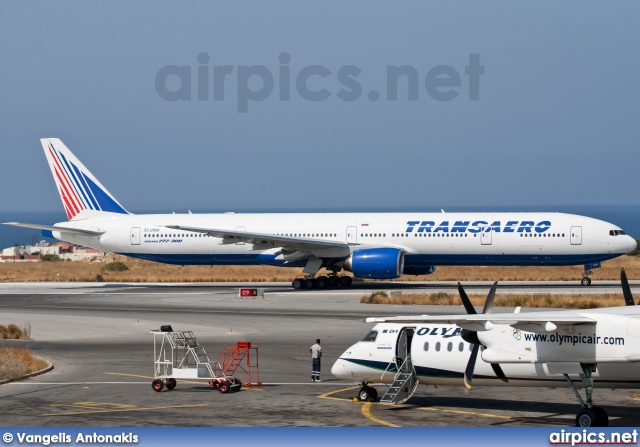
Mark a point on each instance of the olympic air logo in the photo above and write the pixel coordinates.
(517, 334)
(459, 226)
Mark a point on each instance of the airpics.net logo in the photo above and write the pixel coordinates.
(207, 80)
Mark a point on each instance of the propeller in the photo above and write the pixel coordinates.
(626, 290)
(472, 336)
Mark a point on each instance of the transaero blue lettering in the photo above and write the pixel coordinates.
(460, 226)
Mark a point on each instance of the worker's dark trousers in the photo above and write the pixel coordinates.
(315, 369)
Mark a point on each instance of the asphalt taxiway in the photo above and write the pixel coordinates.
(98, 337)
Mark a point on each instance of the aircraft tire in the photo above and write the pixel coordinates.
(586, 281)
(322, 282)
(345, 281)
(310, 284)
(157, 385)
(586, 418)
(364, 394)
(297, 283)
(333, 281)
(602, 418)
(373, 394)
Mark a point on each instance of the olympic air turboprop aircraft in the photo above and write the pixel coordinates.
(370, 245)
(572, 348)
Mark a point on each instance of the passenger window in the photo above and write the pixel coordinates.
(438, 346)
(450, 347)
(371, 336)
(426, 346)
(461, 347)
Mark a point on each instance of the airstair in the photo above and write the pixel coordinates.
(242, 361)
(404, 382)
(178, 355)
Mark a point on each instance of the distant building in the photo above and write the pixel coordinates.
(34, 253)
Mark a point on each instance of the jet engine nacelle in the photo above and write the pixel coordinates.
(419, 269)
(376, 263)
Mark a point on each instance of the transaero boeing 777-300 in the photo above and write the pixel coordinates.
(370, 245)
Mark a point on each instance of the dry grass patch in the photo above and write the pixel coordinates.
(16, 362)
(536, 300)
(13, 332)
(138, 270)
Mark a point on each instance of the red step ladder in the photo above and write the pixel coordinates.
(241, 360)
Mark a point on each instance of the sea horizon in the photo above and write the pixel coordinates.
(625, 216)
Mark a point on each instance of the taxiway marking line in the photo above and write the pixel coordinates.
(122, 410)
(184, 311)
(330, 393)
(366, 411)
(149, 377)
(487, 415)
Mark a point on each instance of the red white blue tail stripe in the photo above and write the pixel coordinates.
(78, 188)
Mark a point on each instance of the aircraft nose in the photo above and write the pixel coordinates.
(631, 244)
(339, 369)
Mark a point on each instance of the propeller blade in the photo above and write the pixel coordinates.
(626, 290)
(499, 372)
(468, 373)
(488, 305)
(466, 302)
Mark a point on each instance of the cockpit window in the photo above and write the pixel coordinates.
(616, 232)
(371, 336)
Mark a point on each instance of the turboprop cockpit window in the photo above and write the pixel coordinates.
(371, 336)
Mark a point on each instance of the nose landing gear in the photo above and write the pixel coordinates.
(586, 281)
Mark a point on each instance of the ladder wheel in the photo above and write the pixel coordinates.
(171, 384)
(157, 385)
(236, 384)
(224, 387)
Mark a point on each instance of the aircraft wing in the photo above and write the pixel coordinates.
(256, 238)
(55, 228)
(562, 317)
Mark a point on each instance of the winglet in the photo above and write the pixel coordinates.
(79, 189)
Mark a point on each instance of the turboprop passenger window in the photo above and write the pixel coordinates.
(450, 347)
(426, 346)
(461, 347)
(438, 346)
(371, 336)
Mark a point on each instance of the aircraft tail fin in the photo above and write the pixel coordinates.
(77, 186)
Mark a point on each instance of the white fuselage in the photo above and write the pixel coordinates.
(527, 359)
(427, 239)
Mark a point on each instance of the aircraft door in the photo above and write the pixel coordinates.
(576, 235)
(352, 235)
(485, 236)
(135, 236)
(403, 349)
(240, 229)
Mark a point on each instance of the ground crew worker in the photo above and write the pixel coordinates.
(316, 355)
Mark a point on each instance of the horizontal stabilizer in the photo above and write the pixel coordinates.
(54, 228)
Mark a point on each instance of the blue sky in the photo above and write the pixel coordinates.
(555, 122)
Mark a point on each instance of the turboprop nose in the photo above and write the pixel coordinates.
(340, 369)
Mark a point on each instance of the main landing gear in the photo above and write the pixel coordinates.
(590, 415)
(367, 393)
(321, 282)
